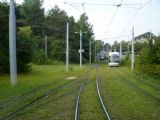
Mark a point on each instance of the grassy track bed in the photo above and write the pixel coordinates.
(53, 86)
(149, 92)
(148, 81)
(123, 101)
(42, 76)
(60, 107)
(90, 108)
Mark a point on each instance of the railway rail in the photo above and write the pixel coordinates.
(38, 100)
(99, 96)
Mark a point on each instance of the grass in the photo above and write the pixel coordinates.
(43, 79)
(49, 95)
(90, 107)
(126, 97)
(40, 75)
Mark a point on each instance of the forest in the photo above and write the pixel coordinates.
(33, 26)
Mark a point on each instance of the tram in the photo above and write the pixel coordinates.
(114, 59)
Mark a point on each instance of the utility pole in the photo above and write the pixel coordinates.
(150, 37)
(90, 53)
(95, 52)
(67, 47)
(128, 49)
(80, 49)
(12, 44)
(132, 57)
(120, 51)
(115, 46)
(46, 47)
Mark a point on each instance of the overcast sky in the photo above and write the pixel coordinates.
(143, 15)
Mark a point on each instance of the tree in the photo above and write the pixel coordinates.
(85, 26)
(25, 45)
(149, 58)
(33, 15)
(4, 38)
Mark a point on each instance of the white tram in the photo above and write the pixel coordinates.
(114, 59)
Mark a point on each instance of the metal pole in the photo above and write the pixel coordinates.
(128, 48)
(12, 44)
(67, 47)
(80, 48)
(95, 51)
(90, 53)
(120, 51)
(150, 35)
(46, 46)
(132, 57)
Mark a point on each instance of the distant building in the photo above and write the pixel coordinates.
(101, 55)
(144, 37)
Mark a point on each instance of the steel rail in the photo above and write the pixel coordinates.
(100, 98)
(77, 103)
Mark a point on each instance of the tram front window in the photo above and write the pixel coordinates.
(114, 59)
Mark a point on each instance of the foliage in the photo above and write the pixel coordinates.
(150, 69)
(24, 49)
(4, 31)
(24, 43)
(149, 58)
(32, 27)
(33, 15)
(86, 27)
(99, 45)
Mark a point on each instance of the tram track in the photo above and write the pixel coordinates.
(100, 98)
(31, 92)
(115, 108)
(41, 97)
(139, 90)
(76, 117)
(142, 81)
(84, 82)
(37, 101)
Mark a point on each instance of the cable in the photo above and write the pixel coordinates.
(117, 37)
(104, 4)
(134, 15)
(71, 5)
(114, 13)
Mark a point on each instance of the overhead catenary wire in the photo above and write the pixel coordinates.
(110, 22)
(102, 4)
(117, 37)
(114, 13)
(134, 15)
(83, 4)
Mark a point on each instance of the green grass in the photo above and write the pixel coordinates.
(126, 97)
(90, 107)
(40, 75)
(31, 86)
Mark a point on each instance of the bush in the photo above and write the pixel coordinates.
(150, 69)
(24, 49)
